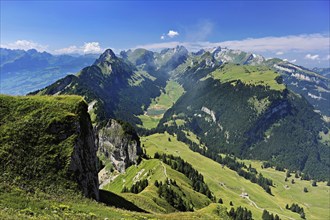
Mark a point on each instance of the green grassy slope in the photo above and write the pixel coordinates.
(250, 75)
(226, 184)
(37, 136)
(19, 204)
(148, 199)
(315, 202)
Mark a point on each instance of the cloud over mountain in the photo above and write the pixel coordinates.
(25, 45)
(89, 47)
(312, 57)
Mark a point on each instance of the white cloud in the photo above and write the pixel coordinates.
(159, 46)
(285, 44)
(312, 57)
(162, 37)
(89, 47)
(25, 45)
(67, 50)
(172, 33)
(92, 47)
(293, 61)
(279, 53)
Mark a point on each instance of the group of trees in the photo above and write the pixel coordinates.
(269, 216)
(240, 213)
(167, 191)
(296, 208)
(136, 187)
(262, 181)
(178, 164)
(248, 173)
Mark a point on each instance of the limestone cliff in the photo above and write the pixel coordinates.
(119, 144)
(83, 160)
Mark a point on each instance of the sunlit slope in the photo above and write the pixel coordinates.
(228, 185)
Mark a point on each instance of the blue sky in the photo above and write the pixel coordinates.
(293, 30)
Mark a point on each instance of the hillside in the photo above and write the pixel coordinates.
(244, 110)
(229, 186)
(47, 144)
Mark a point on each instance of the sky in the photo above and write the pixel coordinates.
(294, 30)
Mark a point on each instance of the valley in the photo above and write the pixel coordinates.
(178, 136)
(161, 104)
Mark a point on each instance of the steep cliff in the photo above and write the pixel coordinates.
(119, 144)
(48, 143)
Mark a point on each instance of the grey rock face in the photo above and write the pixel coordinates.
(122, 147)
(83, 163)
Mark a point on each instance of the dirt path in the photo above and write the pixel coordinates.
(105, 178)
(165, 173)
(275, 213)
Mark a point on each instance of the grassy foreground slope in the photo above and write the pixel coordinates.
(37, 136)
(228, 185)
(19, 204)
(16, 203)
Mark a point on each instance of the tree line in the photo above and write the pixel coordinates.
(178, 164)
(167, 191)
(137, 187)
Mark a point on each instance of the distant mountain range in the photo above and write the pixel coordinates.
(25, 71)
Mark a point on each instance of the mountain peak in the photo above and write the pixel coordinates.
(107, 55)
(216, 50)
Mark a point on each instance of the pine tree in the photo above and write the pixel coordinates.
(288, 173)
(302, 215)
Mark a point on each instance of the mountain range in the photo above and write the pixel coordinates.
(26, 71)
(177, 132)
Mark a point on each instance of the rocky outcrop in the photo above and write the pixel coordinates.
(119, 143)
(209, 112)
(84, 160)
